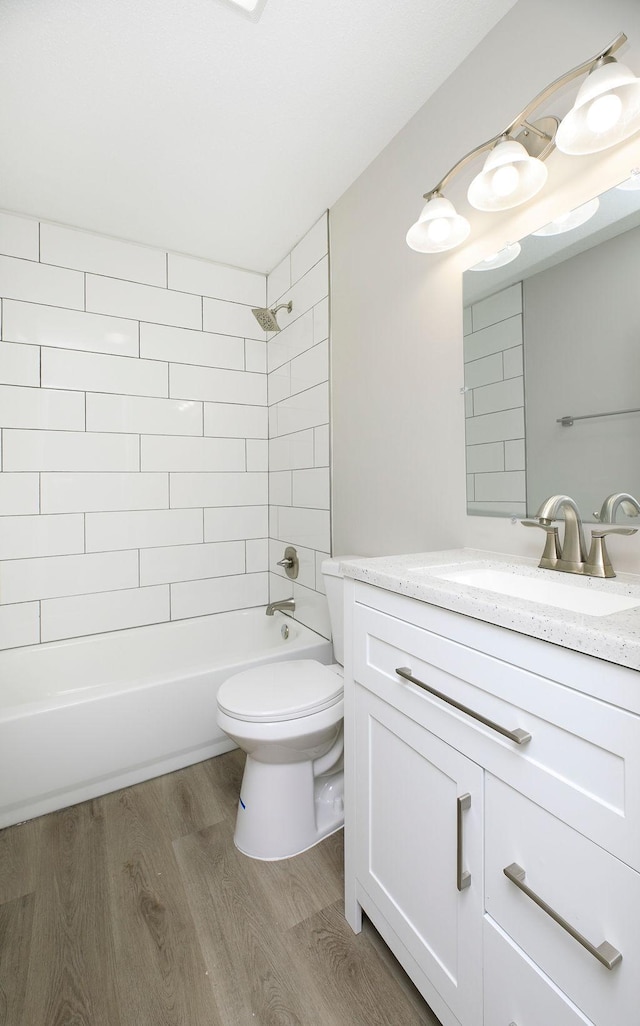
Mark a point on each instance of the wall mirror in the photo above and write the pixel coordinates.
(552, 363)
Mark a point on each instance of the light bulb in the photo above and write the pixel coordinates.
(439, 230)
(505, 181)
(509, 177)
(604, 112)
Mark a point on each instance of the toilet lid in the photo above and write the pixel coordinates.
(280, 691)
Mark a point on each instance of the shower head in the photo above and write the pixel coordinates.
(266, 318)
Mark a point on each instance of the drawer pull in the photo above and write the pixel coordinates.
(605, 952)
(463, 876)
(519, 736)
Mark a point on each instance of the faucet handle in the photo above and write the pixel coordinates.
(290, 563)
(552, 551)
(600, 533)
(598, 563)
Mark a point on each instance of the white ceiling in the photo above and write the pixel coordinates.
(184, 124)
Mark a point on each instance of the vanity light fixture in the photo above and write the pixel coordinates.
(606, 112)
(572, 219)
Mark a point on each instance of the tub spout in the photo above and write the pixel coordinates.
(285, 605)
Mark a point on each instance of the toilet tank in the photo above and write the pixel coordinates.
(333, 583)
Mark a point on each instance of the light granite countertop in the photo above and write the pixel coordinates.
(614, 636)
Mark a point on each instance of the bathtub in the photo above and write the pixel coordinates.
(83, 717)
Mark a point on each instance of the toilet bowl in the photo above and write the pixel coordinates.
(288, 718)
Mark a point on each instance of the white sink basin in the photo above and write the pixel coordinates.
(547, 592)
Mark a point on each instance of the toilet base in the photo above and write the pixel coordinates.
(284, 809)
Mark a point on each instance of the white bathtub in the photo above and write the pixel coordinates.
(83, 717)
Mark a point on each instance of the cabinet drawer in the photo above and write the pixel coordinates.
(594, 893)
(516, 993)
(583, 760)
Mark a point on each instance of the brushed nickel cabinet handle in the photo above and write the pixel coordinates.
(605, 952)
(463, 876)
(519, 736)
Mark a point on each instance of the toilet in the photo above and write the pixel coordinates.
(287, 717)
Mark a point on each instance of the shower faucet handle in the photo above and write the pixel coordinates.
(290, 563)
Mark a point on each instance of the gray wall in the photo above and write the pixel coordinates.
(398, 415)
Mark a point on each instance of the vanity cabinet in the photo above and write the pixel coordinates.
(442, 799)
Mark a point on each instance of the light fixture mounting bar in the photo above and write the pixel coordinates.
(522, 120)
(531, 126)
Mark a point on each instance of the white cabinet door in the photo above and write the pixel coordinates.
(419, 848)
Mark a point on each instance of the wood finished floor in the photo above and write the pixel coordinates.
(136, 909)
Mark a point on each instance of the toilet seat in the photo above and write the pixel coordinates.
(276, 692)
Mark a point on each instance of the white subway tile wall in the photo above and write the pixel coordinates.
(195, 598)
(494, 404)
(19, 365)
(121, 422)
(69, 329)
(19, 236)
(84, 251)
(298, 400)
(142, 302)
(150, 433)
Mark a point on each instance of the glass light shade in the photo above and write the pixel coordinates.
(438, 228)
(500, 259)
(509, 177)
(572, 219)
(606, 111)
(632, 183)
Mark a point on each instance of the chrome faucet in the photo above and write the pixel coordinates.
(285, 605)
(598, 563)
(570, 557)
(612, 504)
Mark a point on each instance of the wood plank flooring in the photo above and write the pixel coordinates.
(136, 909)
